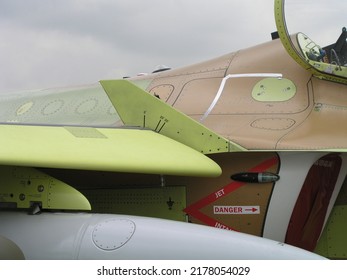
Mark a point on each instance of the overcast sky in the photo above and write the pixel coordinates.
(49, 43)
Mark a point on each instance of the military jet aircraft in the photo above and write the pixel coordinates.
(252, 142)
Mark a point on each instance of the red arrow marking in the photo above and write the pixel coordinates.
(194, 209)
(251, 209)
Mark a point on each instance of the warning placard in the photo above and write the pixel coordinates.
(236, 210)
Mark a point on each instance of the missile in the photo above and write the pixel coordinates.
(108, 236)
(255, 177)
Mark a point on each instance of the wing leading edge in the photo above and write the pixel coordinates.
(106, 149)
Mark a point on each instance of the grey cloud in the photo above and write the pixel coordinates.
(75, 41)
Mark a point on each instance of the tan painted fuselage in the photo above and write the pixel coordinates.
(311, 118)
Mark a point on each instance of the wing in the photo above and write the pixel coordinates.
(106, 149)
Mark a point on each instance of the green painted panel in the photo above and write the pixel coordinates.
(138, 108)
(157, 202)
(104, 149)
(332, 243)
(273, 90)
(22, 186)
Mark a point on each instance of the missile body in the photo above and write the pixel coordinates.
(255, 177)
(108, 236)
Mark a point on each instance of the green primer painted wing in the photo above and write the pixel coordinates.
(106, 149)
(138, 108)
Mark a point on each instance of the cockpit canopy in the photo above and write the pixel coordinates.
(331, 59)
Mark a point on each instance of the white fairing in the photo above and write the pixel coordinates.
(105, 236)
(9, 250)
